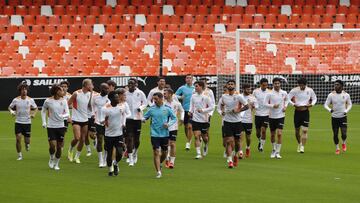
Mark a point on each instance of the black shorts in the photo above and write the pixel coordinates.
(172, 135)
(24, 129)
(247, 127)
(81, 124)
(100, 130)
(203, 127)
(301, 118)
(133, 127)
(57, 134)
(232, 129)
(337, 123)
(113, 142)
(160, 142)
(91, 124)
(187, 119)
(276, 123)
(261, 121)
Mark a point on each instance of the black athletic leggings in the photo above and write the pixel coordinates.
(110, 143)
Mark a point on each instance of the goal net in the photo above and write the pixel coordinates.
(320, 55)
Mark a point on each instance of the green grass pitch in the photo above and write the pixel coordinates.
(316, 176)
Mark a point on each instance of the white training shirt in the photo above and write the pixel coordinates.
(151, 93)
(276, 97)
(260, 95)
(228, 103)
(178, 110)
(208, 92)
(300, 97)
(80, 110)
(57, 111)
(135, 100)
(246, 116)
(200, 101)
(341, 104)
(67, 97)
(98, 102)
(114, 118)
(23, 108)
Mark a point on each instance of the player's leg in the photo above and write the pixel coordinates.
(258, 131)
(59, 144)
(172, 148)
(304, 125)
(278, 143)
(83, 135)
(136, 140)
(297, 121)
(229, 140)
(164, 141)
(27, 135)
(77, 134)
(189, 135)
(238, 129)
(248, 130)
(52, 146)
(264, 124)
(197, 135)
(273, 127)
(335, 128)
(109, 148)
(100, 132)
(156, 155)
(344, 133)
(205, 138)
(129, 140)
(118, 154)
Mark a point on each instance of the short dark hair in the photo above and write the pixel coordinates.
(158, 94)
(302, 81)
(277, 79)
(262, 80)
(65, 82)
(23, 85)
(111, 83)
(200, 83)
(169, 90)
(111, 95)
(340, 82)
(120, 91)
(231, 80)
(160, 78)
(54, 88)
(133, 79)
(246, 85)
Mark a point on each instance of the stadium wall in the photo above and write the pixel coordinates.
(39, 86)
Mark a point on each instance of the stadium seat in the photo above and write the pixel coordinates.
(220, 28)
(71, 10)
(242, 3)
(16, 20)
(140, 19)
(99, 29)
(29, 20)
(34, 10)
(83, 10)
(230, 2)
(21, 10)
(46, 10)
(286, 10)
(19, 36)
(111, 3)
(168, 10)
(23, 50)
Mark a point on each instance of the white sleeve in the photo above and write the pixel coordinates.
(219, 106)
(328, 102)
(212, 97)
(144, 101)
(290, 96)
(242, 100)
(102, 115)
(149, 98)
(182, 112)
(13, 103)
(67, 111)
(267, 101)
(127, 110)
(43, 111)
(210, 105)
(191, 109)
(32, 103)
(286, 102)
(313, 97)
(349, 103)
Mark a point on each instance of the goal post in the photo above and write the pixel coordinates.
(320, 55)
